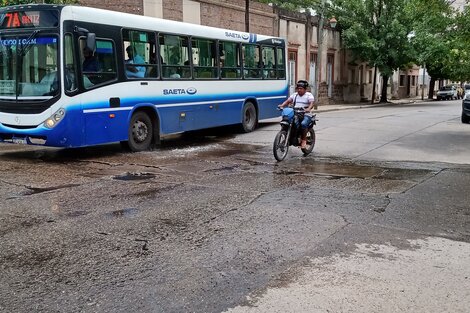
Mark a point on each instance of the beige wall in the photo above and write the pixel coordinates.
(283, 29)
(296, 42)
(153, 8)
(191, 12)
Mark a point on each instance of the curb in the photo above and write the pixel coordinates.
(338, 107)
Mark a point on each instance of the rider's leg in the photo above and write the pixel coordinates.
(304, 130)
(304, 139)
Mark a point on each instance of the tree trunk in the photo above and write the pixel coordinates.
(432, 82)
(383, 96)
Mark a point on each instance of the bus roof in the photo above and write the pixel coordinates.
(92, 15)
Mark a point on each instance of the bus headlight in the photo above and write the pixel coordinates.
(55, 118)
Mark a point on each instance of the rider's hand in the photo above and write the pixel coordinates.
(307, 111)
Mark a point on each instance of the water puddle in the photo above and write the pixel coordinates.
(37, 190)
(76, 213)
(134, 176)
(212, 150)
(333, 170)
(347, 170)
(128, 212)
(224, 169)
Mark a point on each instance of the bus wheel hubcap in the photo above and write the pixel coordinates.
(140, 131)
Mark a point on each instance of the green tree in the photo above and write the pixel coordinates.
(376, 32)
(434, 43)
(460, 50)
(392, 34)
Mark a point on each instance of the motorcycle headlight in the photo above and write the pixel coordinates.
(55, 118)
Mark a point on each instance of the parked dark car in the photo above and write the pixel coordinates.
(466, 89)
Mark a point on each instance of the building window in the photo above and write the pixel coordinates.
(292, 70)
(312, 66)
(352, 76)
(402, 80)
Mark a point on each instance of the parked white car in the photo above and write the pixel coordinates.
(448, 92)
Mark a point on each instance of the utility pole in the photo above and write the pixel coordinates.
(247, 16)
(373, 85)
(375, 65)
(320, 50)
(422, 85)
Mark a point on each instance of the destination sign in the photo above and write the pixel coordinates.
(29, 19)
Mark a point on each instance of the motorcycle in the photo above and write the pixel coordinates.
(291, 133)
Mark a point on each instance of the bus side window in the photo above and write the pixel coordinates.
(280, 63)
(70, 65)
(175, 56)
(229, 54)
(269, 61)
(252, 64)
(101, 67)
(141, 60)
(204, 58)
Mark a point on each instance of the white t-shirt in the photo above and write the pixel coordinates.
(302, 101)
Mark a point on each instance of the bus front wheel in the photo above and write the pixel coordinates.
(249, 117)
(140, 132)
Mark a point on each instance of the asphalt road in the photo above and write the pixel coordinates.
(375, 220)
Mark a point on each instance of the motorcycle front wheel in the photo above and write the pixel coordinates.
(280, 145)
(310, 142)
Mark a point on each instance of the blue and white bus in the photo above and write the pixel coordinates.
(150, 77)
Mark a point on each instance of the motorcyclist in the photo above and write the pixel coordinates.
(302, 99)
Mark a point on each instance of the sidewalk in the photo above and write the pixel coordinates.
(345, 106)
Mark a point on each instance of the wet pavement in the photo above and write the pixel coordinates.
(206, 224)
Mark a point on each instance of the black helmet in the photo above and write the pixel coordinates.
(302, 84)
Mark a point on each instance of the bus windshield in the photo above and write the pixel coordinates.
(28, 66)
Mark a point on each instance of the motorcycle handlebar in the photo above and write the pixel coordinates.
(297, 110)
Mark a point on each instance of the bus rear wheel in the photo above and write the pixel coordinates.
(249, 117)
(140, 132)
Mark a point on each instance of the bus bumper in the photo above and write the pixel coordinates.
(62, 135)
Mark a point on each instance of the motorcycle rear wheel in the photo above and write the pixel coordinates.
(280, 145)
(310, 142)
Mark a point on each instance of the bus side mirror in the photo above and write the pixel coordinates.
(91, 41)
